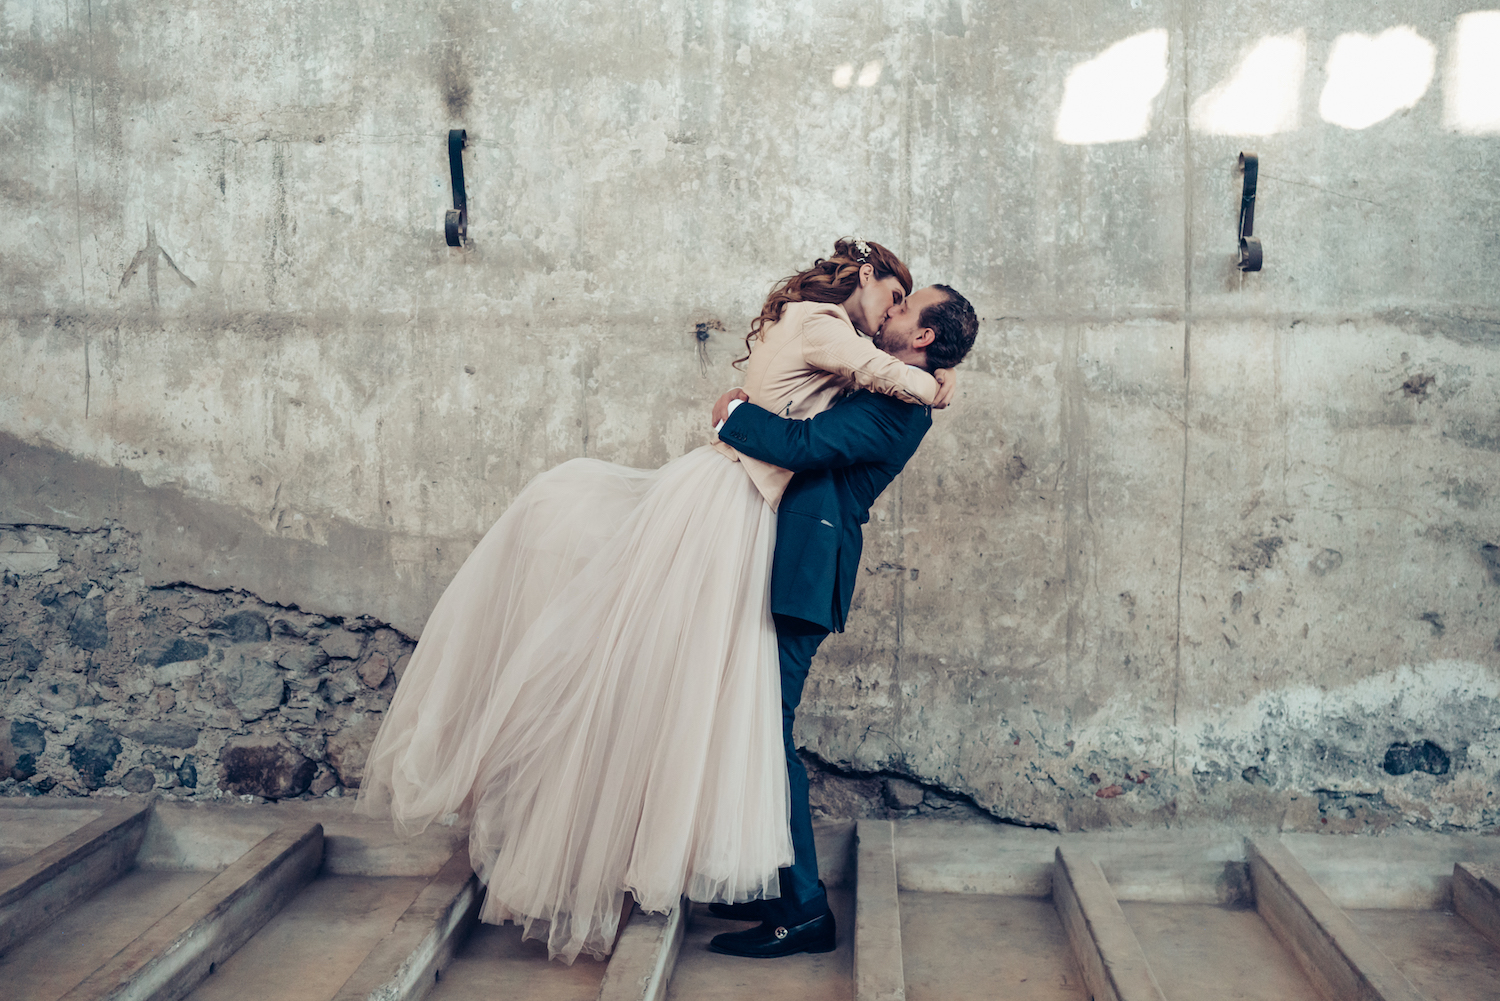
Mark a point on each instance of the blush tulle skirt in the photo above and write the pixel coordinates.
(597, 694)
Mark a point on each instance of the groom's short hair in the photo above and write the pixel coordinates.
(954, 327)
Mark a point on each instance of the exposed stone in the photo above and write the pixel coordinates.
(182, 649)
(342, 643)
(60, 696)
(902, 794)
(405, 659)
(18, 555)
(349, 747)
(1402, 758)
(374, 670)
(254, 685)
(27, 655)
(244, 627)
(324, 780)
(187, 772)
(264, 765)
(88, 630)
(20, 747)
(139, 780)
(303, 660)
(164, 734)
(94, 754)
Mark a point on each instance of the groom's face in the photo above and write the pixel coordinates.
(902, 329)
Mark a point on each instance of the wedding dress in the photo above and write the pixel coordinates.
(597, 692)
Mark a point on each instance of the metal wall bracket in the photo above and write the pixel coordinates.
(456, 225)
(1249, 246)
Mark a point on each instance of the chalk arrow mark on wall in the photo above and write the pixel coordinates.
(147, 255)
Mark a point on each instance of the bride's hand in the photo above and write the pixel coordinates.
(947, 382)
(721, 409)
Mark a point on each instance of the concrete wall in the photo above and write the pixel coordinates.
(1193, 545)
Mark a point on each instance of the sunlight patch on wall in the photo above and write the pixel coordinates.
(1108, 98)
(843, 75)
(1472, 87)
(1260, 99)
(1372, 78)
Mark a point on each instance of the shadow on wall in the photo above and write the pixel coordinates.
(1112, 97)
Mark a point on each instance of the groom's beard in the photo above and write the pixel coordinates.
(886, 342)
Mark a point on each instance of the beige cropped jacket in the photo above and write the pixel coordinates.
(799, 365)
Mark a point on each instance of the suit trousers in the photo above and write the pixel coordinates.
(802, 898)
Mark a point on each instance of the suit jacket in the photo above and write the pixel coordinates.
(843, 458)
(801, 363)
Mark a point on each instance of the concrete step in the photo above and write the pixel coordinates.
(495, 963)
(1440, 953)
(980, 945)
(1204, 950)
(316, 942)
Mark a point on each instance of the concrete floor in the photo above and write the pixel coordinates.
(308, 950)
(956, 946)
(47, 966)
(496, 963)
(702, 974)
(1443, 957)
(1202, 950)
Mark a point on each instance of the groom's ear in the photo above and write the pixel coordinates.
(923, 337)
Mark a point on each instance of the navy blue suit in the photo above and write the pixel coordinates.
(844, 458)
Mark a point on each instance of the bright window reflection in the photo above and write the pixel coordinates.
(1473, 84)
(1108, 98)
(870, 75)
(1370, 79)
(1261, 98)
(843, 75)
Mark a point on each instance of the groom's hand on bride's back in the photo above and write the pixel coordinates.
(721, 409)
(947, 384)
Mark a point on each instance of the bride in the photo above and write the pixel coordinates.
(597, 692)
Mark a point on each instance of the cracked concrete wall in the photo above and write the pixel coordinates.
(1193, 546)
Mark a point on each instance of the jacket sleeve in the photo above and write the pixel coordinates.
(831, 344)
(861, 429)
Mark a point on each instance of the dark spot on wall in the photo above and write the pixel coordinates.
(1326, 562)
(28, 742)
(1402, 758)
(1252, 775)
(1015, 468)
(29, 656)
(187, 773)
(1434, 620)
(454, 82)
(94, 754)
(1233, 887)
(88, 629)
(1418, 384)
(244, 627)
(177, 651)
(1489, 555)
(1259, 554)
(1236, 602)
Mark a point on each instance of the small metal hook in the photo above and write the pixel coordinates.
(1250, 253)
(456, 224)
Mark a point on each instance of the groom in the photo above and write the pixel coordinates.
(843, 459)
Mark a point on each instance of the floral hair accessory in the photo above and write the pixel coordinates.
(863, 249)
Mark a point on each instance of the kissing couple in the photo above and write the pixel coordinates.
(605, 692)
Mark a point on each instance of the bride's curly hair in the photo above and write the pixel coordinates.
(830, 279)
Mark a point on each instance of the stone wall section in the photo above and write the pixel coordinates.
(115, 687)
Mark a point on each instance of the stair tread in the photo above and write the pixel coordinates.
(823, 977)
(1438, 951)
(1204, 950)
(314, 944)
(58, 958)
(961, 945)
(496, 963)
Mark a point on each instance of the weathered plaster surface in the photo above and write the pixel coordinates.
(1229, 535)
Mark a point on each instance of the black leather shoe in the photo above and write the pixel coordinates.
(750, 910)
(772, 941)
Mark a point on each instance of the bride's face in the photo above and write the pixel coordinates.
(872, 300)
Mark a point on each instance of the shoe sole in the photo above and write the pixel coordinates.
(820, 947)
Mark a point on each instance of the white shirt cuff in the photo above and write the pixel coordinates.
(732, 405)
